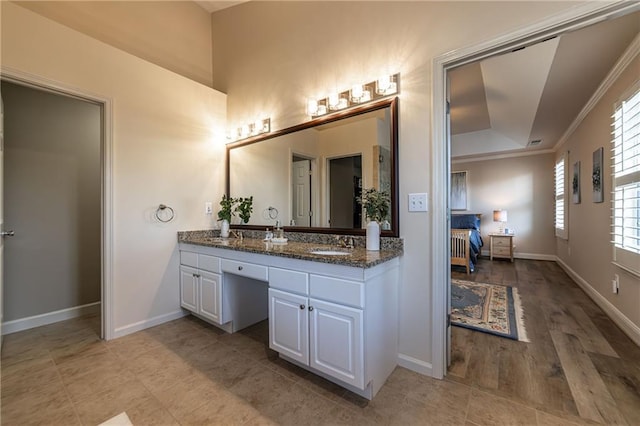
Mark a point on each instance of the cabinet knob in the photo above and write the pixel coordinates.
(302, 306)
(310, 308)
(239, 268)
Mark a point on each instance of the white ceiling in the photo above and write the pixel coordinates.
(502, 103)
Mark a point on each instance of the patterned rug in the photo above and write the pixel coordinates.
(490, 308)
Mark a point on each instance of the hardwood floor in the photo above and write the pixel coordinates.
(578, 364)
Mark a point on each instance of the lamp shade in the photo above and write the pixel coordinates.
(499, 215)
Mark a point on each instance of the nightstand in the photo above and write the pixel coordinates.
(502, 246)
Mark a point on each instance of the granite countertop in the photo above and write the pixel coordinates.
(357, 257)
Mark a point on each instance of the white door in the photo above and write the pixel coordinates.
(336, 341)
(210, 296)
(301, 203)
(289, 325)
(189, 288)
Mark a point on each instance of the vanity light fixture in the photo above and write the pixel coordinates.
(250, 130)
(357, 95)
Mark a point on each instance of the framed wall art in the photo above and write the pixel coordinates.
(596, 176)
(575, 183)
(459, 190)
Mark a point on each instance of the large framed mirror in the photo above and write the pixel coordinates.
(307, 177)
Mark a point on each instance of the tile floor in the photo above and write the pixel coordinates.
(186, 372)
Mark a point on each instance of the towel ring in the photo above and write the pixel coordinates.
(273, 213)
(161, 208)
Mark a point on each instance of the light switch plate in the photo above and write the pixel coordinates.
(208, 208)
(418, 202)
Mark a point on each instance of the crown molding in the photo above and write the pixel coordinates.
(495, 156)
(623, 62)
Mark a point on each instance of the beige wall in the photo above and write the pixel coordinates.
(52, 201)
(168, 147)
(269, 57)
(588, 251)
(524, 187)
(175, 35)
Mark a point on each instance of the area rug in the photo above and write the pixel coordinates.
(490, 308)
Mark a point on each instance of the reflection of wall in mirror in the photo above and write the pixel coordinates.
(356, 138)
(263, 170)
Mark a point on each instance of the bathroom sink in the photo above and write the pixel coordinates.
(330, 252)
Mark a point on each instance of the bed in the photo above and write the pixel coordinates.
(466, 240)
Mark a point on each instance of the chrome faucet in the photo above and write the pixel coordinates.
(346, 242)
(236, 234)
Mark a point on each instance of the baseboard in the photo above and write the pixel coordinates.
(415, 364)
(534, 256)
(621, 320)
(148, 323)
(49, 318)
(528, 256)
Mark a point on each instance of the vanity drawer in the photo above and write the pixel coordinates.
(293, 281)
(249, 270)
(337, 290)
(189, 258)
(209, 263)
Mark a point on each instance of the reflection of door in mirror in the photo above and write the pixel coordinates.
(345, 184)
(301, 191)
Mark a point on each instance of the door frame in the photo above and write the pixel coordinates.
(572, 19)
(106, 216)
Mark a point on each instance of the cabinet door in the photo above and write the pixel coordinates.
(336, 341)
(210, 296)
(289, 325)
(189, 288)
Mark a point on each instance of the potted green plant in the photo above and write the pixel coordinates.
(376, 207)
(225, 213)
(244, 208)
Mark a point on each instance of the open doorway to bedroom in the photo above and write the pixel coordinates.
(554, 30)
(497, 177)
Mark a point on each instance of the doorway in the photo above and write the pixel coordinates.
(440, 242)
(345, 185)
(53, 190)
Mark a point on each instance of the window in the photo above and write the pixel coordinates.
(560, 188)
(626, 181)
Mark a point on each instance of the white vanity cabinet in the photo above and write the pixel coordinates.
(325, 336)
(335, 320)
(201, 287)
(342, 329)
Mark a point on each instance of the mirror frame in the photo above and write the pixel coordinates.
(392, 103)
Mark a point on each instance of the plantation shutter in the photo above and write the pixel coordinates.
(560, 194)
(626, 181)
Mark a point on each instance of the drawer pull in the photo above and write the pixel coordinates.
(302, 306)
(239, 268)
(310, 308)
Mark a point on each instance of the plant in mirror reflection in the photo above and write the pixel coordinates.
(244, 208)
(230, 206)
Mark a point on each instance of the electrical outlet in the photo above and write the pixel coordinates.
(208, 208)
(615, 283)
(418, 202)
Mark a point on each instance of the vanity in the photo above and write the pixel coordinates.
(332, 314)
